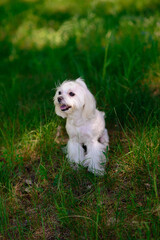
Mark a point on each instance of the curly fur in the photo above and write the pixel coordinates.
(85, 125)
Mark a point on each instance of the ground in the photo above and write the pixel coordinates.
(114, 45)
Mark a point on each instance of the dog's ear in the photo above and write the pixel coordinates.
(89, 105)
(81, 82)
(89, 101)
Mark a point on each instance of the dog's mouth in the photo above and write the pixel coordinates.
(64, 107)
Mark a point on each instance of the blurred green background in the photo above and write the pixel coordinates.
(112, 44)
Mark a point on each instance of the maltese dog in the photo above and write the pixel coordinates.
(85, 125)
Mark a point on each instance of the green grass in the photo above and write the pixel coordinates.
(114, 46)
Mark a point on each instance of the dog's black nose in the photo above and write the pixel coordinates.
(60, 99)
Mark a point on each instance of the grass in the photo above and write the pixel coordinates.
(115, 46)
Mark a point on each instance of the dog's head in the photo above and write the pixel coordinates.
(74, 96)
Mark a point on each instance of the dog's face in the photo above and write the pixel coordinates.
(71, 96)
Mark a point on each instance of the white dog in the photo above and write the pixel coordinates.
(88, 138)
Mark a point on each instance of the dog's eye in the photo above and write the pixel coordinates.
(59, 93)
(71, 94)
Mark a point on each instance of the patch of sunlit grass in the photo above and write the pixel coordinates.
(114, 7)
(28, 35)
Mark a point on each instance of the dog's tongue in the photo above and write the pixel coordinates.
(63, 107)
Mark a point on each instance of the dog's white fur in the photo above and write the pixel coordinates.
(85, 125)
